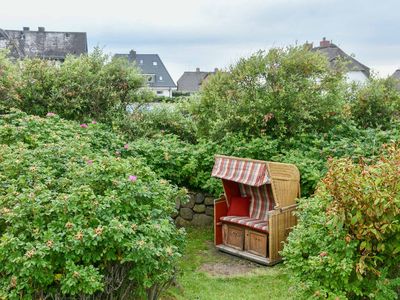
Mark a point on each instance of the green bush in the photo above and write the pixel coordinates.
(310, 152)
(283, 92)
(85, 86)
(190, 165)
(151, 119)
(38, 80)
(347, 239)
(376, 103)
(76, 217)
(170, 157)
(8, 82)
(178, 94)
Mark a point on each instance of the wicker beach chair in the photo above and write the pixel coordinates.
(271, 189)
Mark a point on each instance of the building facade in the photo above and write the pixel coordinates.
(52, 45)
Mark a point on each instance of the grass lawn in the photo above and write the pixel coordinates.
(209, 274)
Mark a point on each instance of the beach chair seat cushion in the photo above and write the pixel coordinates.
(257, 224)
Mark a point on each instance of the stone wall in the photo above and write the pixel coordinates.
(198, 211)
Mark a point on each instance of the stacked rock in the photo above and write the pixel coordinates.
(198, 211)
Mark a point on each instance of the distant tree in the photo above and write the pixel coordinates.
(88, 86)
(282, 92)
(376, 103)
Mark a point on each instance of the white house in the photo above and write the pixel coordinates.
(356, 71)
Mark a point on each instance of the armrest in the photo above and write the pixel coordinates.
(220, 210)
(278, 210)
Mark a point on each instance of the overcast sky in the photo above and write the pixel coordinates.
(215, 33)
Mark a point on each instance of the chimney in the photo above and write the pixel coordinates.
(324, 43)
(41, 29)
(25, 28)
(197, 69)
(132, 55)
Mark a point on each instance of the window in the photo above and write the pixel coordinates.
(154, 63)
(141, 61)
(151, 78)
(159, 92)
(161, 78)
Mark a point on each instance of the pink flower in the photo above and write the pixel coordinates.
(132, 178)
(50, 114)
(126, 146)
(94, 122)
(323, 254)
(84, 125)
(89, 162)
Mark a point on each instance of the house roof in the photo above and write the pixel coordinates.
(191, 81)
(334, 53)
(151, 64)
(43, 44)
(396, 75)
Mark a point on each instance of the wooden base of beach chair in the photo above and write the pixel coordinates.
(233, 236)
(247, 255)
(256, 242)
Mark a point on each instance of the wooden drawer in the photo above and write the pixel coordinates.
(233, 236)
(256, 242)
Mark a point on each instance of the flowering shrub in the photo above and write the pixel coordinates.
(347, 241)
(77, 220)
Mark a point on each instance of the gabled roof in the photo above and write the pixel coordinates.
(396, 76)
(43, 44)
(334, 54)
(191, 81)
(151, 64)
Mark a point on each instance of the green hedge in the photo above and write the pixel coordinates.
(76, 218)
(190, 165)
(81, 87)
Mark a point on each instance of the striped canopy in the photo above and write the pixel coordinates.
(249, 172)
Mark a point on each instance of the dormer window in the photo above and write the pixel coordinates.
(161, 78)
(154, 63)
(151, 78)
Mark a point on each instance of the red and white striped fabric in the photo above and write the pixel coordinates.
(262, 200)
(252, 173)
(248, 222)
